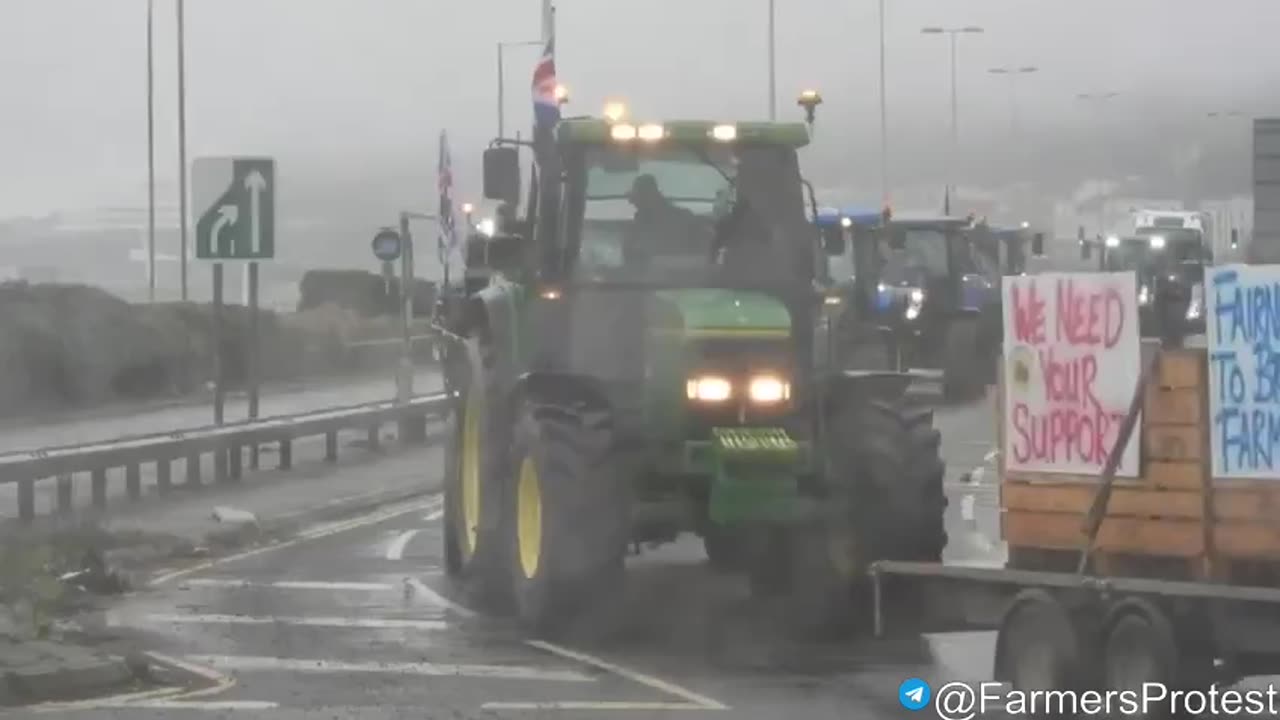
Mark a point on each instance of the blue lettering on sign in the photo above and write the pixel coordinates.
(1244, 369)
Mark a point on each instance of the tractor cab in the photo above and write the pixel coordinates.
(1169, 265)
(909, 288)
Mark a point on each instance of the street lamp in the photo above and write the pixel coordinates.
(1099, 100)
(952, 32)
(884, 118)
(501, 74)
(182, 145)
(773, 65)
(1013, 73)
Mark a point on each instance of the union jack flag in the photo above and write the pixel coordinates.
(444, 185)
(546, 107)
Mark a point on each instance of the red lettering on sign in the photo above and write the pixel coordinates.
(1064, 435)
(1089, 317)
(1028, 315)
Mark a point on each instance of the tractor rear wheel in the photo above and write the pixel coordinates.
(886, 503)
(569, 516)
(474, 539)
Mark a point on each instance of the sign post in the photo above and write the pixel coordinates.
(234, 202)
(1072, 357)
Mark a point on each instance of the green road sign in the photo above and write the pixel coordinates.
(234, 200)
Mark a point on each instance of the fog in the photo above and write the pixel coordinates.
(351, 94)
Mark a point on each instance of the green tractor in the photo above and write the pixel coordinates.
(646, 362)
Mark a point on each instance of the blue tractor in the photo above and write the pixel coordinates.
(917, 294)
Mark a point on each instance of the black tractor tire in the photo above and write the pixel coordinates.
(886, 502)
(724, 550)
(475, 547)
(569, 516)
(963, 373)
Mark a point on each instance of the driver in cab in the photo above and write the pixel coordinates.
(660, 227)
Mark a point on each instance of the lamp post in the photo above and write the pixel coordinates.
(502, 45)
(773, 64)
(182, 146)
(1098, 101)
(151, 154)
(1013, 73)
(952, 33)
(884, 118)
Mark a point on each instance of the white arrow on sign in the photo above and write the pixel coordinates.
(255, 183)
(227, 215)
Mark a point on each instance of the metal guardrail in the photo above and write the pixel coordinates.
(226, 442)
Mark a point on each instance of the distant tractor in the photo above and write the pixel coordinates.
(646, 363)
(916, 299)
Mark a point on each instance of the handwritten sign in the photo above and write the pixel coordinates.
(1243, 304)
(1071, 361)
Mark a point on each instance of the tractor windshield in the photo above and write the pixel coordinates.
(659, 212)
(913, 256)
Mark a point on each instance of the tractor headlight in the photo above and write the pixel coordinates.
(1157, 242)
(1196, 306)
(1144, 295)
(915, 301)
(708, 388)
(768, 389)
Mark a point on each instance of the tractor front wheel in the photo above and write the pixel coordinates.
(569, 516)
(963, 370)
(886, 502)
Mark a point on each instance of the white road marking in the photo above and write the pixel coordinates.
(590, 705)
(433, 515)
(207, 705)
(966, 508)
(289, 584)
(992, 455)
(337, 622)
(506, 672)
(319, 531)
(435, 598)
(702, 702)
(395, 550)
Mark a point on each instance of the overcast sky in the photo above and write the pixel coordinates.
(359, 83)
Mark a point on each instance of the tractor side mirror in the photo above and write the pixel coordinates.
(833, 242)
(1037, 244)
(502, 174)
(1235, 238)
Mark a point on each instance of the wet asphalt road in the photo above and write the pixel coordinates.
(356, 623)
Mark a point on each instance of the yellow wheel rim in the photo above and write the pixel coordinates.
(529, 518)
(471, 471)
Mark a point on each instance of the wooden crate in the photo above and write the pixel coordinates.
(1172, 520)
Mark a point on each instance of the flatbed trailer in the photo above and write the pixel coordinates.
(1172, 577)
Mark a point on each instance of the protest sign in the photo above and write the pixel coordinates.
(1071, 362)
(1243, 337)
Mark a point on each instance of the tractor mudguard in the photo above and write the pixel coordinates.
(562, 389)
(863, 386)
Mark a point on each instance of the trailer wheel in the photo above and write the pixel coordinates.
(1041, 646)
(474, 537)
(1140, 648)
(569, 516)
